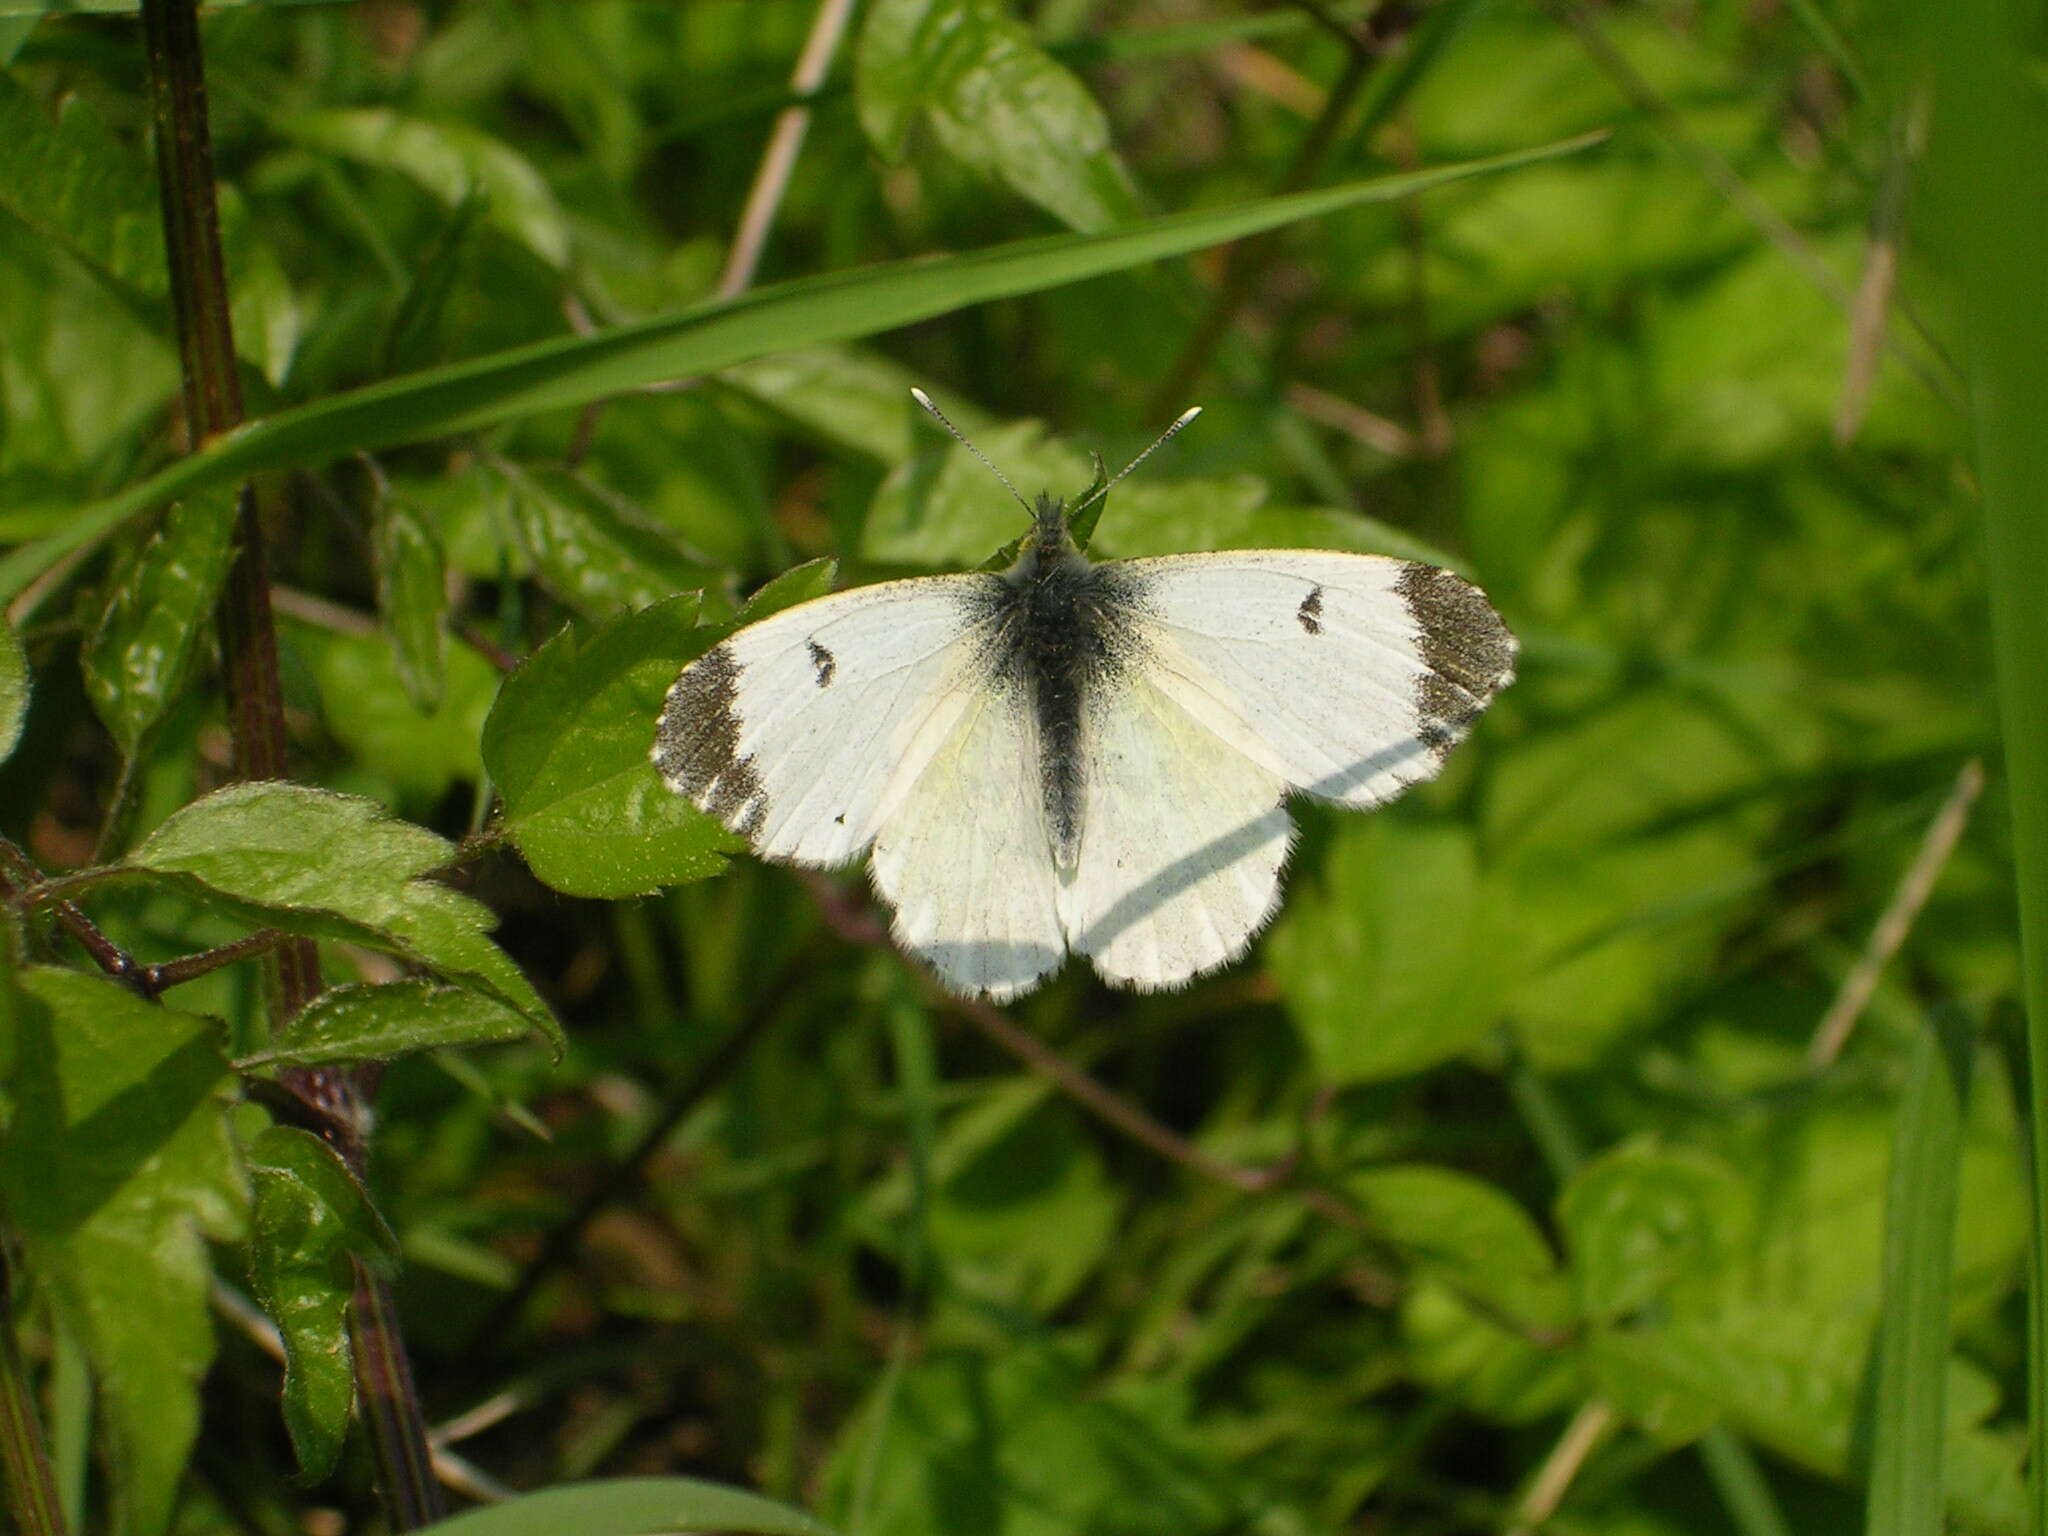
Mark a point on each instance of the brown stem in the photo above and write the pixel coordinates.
(19, 876)
(332, 1098)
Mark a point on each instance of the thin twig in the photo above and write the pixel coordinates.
(1589, 1426)
(1352, 419)
(1890, 931)
(785, 142)
(22, 881)
(31, 1486)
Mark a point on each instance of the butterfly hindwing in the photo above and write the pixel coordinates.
(1348, 676)
(1183, 839)
(803, 732)
(966, 860)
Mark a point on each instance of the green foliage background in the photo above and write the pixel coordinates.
(1501, 1188)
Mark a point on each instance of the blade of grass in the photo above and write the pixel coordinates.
(1908, 1403)
(1987, 144)
(811, 312)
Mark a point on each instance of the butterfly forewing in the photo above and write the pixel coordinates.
(1348, 676)
(802, 732)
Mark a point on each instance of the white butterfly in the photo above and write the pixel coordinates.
(1078, 756)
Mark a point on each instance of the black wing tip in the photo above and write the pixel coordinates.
(696, 743)
(1467, 653)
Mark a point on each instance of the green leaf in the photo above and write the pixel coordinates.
(451, 160)
(158, 612)
(412, 599)
(856, 400)
(312, 1220)
(810, 312)
(567, 744)
(594, 551)
(14, 681)
(1639, 1220)
(1387, 960)
(1908, 1405)
(995, 100)
(633, 1506)
(334, 866)
(798, 584)
(1467, 1234)
(116, 1167)
(378, 1022)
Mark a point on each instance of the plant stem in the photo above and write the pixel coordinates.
(31, 1488)
(332, 1098)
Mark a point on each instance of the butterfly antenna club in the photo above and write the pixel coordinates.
(1158, 443)
(925, 400)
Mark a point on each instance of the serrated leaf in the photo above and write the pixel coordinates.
(567, 745)
(160, 608)
(312, 1221)
(116, 1167)
(335, 866)
(389, 1019)
(633, 1506)
(13, 689)
(995, 99)
(412, 599)
(596, 552)
(837, 306)
(451, 160)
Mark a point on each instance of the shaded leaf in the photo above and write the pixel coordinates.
(995, 99)
(159, 610)
(388, 1019)
(810, 312)
(412, 598)
(335, 866)
(311, 1221)
(567, 746)
(453, 161)
(364, 703)
(14, 683)
(633, 1506)
(1640, 1220)
(116, 1166)
(855, 399)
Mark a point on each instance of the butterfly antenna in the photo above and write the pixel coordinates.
(1186, 416)
(925, 400)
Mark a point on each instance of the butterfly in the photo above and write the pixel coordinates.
(1076, 756)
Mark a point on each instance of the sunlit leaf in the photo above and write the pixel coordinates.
(311, 1220)
(633, 1506)
(14, 683)
(115, 1169)
(334, 866)
(386, 1020)
(567, 746)
(995, 99)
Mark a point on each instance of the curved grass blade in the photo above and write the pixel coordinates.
(567, 372)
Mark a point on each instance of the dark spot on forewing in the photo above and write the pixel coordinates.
(696, 743)
(822, 659)
(1311, 612)
(1468, 653)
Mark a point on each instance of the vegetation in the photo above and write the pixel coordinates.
(410, 1105)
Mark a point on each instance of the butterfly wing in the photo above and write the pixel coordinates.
(803, 732)
(966, 860)
(1182, 840)
(1348, 676)
(1344, 676)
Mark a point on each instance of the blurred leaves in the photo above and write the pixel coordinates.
(412, 599)
(312, 1222)
(14, 688)
(633, 1506)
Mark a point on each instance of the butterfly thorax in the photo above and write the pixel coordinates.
(1065, 638)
